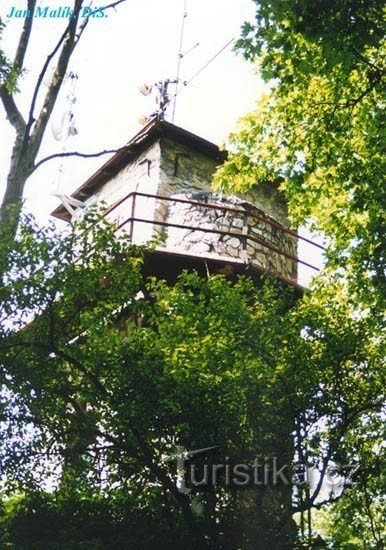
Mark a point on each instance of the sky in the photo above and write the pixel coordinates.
(137, 43)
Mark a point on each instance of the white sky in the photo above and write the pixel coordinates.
(139, 42)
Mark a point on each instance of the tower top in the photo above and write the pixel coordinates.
(159, 187)
(153, 131)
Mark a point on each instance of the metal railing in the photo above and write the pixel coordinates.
(244, 236)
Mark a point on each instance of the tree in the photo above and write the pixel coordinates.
(358, 520)
(104, 372)
(321, 128)
(30, 129)
(131, 375)
(321, 131)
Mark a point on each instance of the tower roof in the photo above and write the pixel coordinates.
(153, 131)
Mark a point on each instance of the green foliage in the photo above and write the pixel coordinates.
(337, 28)
(8, 73)
(43, 520)
(104, 372)
(321, 128)
(320, 131)
(359, 519)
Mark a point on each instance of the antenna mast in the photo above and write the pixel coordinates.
(67, 129)
(180, 55)
(164, 99)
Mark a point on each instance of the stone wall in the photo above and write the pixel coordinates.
(172, 169)
(141, 175)
(184, 170)
(245, 234)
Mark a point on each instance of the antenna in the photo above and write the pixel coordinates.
(65, 127)
(180, 55)
(162, 99)
(187, 82)
(73, 206)
(61, 132)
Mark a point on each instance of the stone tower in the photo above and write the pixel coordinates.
(159, 187)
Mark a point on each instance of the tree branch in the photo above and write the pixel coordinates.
(365, 60)
(374, 528)
(168, 484)
(78, 365)
(111, 5)
(67, 39)
(64, 355)
(87, 19)
(13, 114)
(77, 154)
(310, 504)
(352, 102)
(24, 37)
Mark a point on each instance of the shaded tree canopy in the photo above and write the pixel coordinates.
(105, 371)
(321, 129)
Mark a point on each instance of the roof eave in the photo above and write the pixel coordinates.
(149, 134)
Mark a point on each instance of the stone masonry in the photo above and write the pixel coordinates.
(170, 168)
(245, 232)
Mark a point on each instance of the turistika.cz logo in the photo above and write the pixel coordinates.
(260, 473)
(60, 12)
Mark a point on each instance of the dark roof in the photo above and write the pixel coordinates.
(143, 139)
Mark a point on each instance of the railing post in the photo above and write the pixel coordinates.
(132, 215)
(244, 254)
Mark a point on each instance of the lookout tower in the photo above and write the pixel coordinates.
(159, 187)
